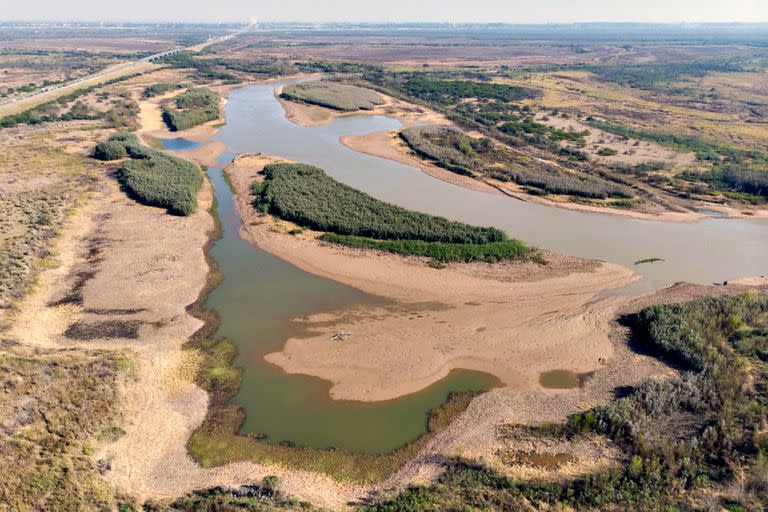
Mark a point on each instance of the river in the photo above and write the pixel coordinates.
(261, 296)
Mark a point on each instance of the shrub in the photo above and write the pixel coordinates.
(607, 152)
(563, 183)
(109, 150)
(160, 89)
(742, 179)
(439, 251)
(307, 196)
(194, 107)
(151, 177)
(447, 146)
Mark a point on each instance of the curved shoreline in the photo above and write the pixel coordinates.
(377, 365)
(384, 145)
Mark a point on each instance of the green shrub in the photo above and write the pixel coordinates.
(440, 251)
(447, 146)
(160, 89)
(194, 107)
(607, 152)
(560, 182)
(151, 177)
(307, 196)
(109, 150)
(156, 179)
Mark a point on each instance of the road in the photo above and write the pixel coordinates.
(47, 93)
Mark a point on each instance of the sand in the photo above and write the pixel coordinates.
(512, 320)
(407, 113)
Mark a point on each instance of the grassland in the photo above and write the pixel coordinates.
(336, 96)
(152, 177)
(194, 107)
(56, 404)
(39, 184)
(308, 197)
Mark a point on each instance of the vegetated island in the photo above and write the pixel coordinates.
(308, 197)
(333, 95)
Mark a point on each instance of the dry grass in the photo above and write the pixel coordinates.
(56, 405)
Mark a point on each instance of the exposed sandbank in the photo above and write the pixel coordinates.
(513, 320)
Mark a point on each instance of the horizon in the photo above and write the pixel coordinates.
(521, 12)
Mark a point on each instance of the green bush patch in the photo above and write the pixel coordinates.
(151, 177)
(194, 107)
(305, 195)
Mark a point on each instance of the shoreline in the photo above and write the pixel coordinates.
(385, 145)
(449, 301)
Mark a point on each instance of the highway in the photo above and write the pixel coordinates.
(122, 67)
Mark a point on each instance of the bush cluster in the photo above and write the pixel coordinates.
(307, 196)
(160, 89)
(440, 251)
(650, 75)
(194, 107)
(742, 179)
(336, 96)
(563, 183)
(447, 146)
(424, 87)
(152, 177)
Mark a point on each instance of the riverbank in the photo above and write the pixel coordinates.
(454, 317)
(303, 114)
(389, 145)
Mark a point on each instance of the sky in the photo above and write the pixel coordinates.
(510, 11)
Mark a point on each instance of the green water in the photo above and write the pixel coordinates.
(259, 300)
(560, 379)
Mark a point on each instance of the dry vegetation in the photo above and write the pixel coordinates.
(346, 98)
(57, 404)
(40, 183)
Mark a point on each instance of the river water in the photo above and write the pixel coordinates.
(261, 295)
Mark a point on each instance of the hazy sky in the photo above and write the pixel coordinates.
(513, 11)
